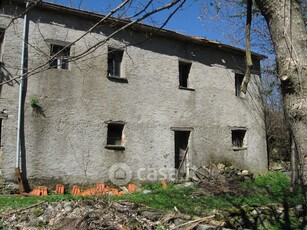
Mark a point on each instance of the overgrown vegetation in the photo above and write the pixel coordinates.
(270, 188)
(263, 190)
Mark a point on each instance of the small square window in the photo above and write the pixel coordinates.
(115, 136)
(115, 57)
(238, 138)
(60, 56)
(238, 83)
(184, 71)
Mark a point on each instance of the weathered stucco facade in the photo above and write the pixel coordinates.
(154, 117)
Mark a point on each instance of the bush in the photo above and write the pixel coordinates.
(276, 183)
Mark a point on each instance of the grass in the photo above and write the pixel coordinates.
(164, 199)
(271, 188)
(11, 202)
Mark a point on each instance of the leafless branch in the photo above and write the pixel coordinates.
(91, 49)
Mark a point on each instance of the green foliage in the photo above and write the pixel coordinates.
(37, 211)
(293, 224)
(277, 183)
(13, 202)
(270, 188)
(34, 102)
(36, 107)
(164, 199)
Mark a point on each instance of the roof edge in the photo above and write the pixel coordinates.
(144, 28)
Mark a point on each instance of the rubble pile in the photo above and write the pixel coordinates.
(8, 188)
(99, 213)
(252, 217)
(218, 178)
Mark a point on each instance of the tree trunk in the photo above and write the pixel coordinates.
(288, 33)
(248, 54)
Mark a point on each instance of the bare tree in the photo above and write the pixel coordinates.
(289, 37)
(231, 14)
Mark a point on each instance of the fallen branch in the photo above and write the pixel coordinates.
(170, 217)
(200, 220)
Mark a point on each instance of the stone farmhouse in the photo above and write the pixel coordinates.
(144, 103)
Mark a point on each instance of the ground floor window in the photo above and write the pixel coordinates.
(238, 137)
(115, 136)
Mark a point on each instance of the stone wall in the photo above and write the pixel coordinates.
(254, 217)
(69, 144)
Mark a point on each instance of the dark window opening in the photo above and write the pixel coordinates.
(184, 71)
(1, 42)
(238, 138)
(60, 56)
(238, 83)
(115, 133)
(115, 57)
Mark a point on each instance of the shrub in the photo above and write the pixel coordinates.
(276, 183)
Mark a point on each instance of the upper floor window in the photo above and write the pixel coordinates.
(60, 55)
(184, 72)
(238, 83)
(1, 42)
(115, 57)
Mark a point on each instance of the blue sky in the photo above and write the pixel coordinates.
(186, 20)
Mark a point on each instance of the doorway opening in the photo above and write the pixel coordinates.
(181, 153)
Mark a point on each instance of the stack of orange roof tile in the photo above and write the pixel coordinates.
(100, 189)
(59, 189)
(40, 191)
